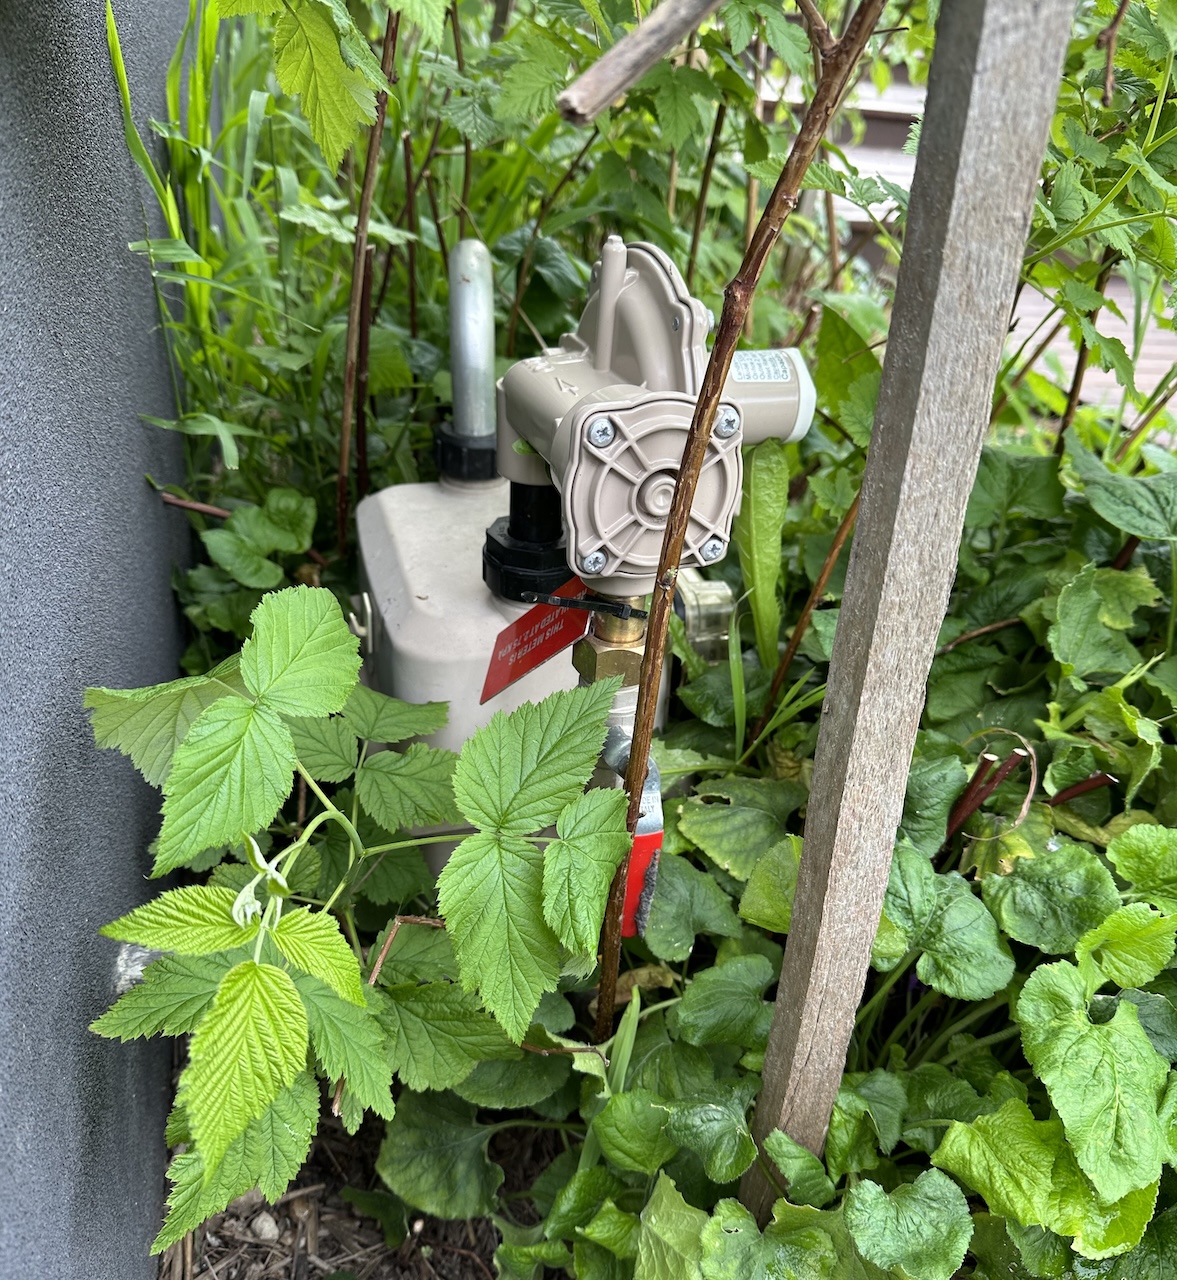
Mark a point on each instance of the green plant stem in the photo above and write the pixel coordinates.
(419, 840)
(917, 1010)
(357, 844)
(929, 1051)
(998, 1037)
(1172, 627)
(262, 929)
(871, 1008)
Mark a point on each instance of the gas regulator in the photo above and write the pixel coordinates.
(545, 527)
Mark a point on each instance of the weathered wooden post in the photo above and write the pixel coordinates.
(992, 90)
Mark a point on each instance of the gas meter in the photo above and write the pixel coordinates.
(545, 527)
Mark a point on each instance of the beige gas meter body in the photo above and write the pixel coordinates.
(604, 416)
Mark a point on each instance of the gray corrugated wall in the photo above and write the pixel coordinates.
(86, 553)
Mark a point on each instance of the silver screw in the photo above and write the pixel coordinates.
(600, 432)
(594, 562)
(712, 549)
(727, 424)
(675, 323)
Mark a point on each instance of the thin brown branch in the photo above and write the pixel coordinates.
(202, 508)
(1110, 257)
(820, 35)
(1127, 551)
(704, 192)
(1016, 380)
(467, 148)
(816, 592)
(986, 762)
(363, 217)
(525, 262)
(432, 922)
(837, 72)
(411, 220)
(1146, 419)
(961, 813)
(362, 374)
(435, 213)
(1107, 40)
(1093, 783)
(986, 630)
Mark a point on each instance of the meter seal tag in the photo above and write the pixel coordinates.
(532, 639)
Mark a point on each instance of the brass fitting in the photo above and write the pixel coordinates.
(598, 659)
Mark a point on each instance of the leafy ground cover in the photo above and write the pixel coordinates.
(1009, 1107)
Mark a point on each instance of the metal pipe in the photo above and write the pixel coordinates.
(472, 339)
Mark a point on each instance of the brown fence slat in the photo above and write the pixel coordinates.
(992, 90)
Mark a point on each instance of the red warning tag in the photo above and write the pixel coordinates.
(531, 640)
(646, 847)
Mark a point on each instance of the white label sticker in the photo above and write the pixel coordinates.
(761, 366)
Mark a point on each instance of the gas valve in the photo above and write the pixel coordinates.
(603, 417)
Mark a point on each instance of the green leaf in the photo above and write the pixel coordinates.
(1105, 1081)
(578, 1200)
(429, 15)
(512, 1084)
(518, 772)
(471, 119)
(307, 62)
(804, 1173)
(1066, 194)
(922, 1229)
(240, 559)
(686, 902)
(1146, 856)
(434, 1157)
(192, 921)
(149, 724)
(613, 1229)
(1082, 642)
(302, 659)
(1145, 506)
(348, 1042)
(734, 1249)
(579, 867)
(285, 523)
(1099, 1229)
(1008, 1158)
(725, 1004)
(382, 1207)
(417, 954)
(1166, 20)
(786, 39)
(736, 834)
(670, 1243)
(843, 356)
(249, 1045)
(311, 941)
(678, 114)
(933, 785)
(267, 1155)
(632, 1131)
(379, 718)
(1050, 900)
(438, 1034)
(408, 789)
(756, 533)
(491, 898)
(715, 1129)
(229, 778)
(1156, 1007)
(767, 900)
(326, 749)
(1129, 948)
(173, 996)
(1153, 1258)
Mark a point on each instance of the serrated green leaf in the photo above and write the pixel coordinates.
(578, 867)
(471, 119)
(767, 900)
(922, 1229)
(1082, 642)
(528, 90)
(631, 1129)
(417, 954)
(438, 1034)
(335, 99)
(434, 1157)
(715, 1129)
(429, 15)
(175, 993)
(311, 941)
(285, 523)
(149, 724)
(725, 1004)
(354, 46)
(1146, 856)
(756, 533)
(1129, 948)
(302, 659)
(192, 921)
(804, 1174)
(736, 834)
(348, 1041)
(674, 103)
(510, 1084)
(686, 902)
(1050, 900)
(1105, 1081)
(229, 778)
(408, 789)
(379, 718)
(786, 39)
(326, 748)
(491, 898)
(518, 772)
(267, 1155)
(249, 1045)
(241, 559)
(670, 1243)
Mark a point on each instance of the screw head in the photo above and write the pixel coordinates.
(594, 562)
(712, 549)
(727, 423)
(675, 323)
(600, 432)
